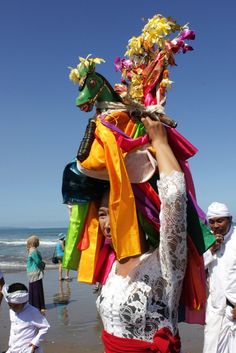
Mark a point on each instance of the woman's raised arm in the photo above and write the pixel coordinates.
(166, 160)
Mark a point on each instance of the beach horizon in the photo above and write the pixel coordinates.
(75, 324)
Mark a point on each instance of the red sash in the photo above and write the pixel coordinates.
(163, 342)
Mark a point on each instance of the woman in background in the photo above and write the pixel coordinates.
(35, 271)
(60, 246)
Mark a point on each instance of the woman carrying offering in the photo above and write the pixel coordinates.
(139, 302)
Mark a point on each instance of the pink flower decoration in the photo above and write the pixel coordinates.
(122, 64)
(117, 63)
(187, 34)
(186, 48)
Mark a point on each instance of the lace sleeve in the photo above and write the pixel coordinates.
(172, 249)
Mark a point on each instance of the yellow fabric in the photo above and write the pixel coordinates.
(123, 217)
(89, 256)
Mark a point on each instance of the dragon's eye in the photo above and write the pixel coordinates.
(92, 83)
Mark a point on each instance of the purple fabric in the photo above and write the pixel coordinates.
(145, 206)
(113, 127)
(36, 295)
(199, 211)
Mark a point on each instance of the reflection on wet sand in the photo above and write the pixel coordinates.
(61, 300)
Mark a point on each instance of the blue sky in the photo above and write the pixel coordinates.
(41, 128)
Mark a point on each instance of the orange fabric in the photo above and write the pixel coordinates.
(96, 158)
(123, 217)
(89, 256)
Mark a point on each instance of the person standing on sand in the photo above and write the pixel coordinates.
(28, 325)
(220, 262)
(60, 246)
(35, 272)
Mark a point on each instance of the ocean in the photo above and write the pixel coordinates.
(13, 252)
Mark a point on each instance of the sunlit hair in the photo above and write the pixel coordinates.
(32, 242)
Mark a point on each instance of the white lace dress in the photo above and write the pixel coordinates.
(138, 305)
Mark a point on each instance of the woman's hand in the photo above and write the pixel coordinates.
(167, 163)
(156, 131)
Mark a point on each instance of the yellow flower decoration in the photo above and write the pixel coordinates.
(135, 46)
(136, 87)
(153, 34)
(86, 65)
(87, 62)
(74, 75)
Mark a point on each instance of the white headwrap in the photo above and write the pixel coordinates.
(217, 209)
(17, 297)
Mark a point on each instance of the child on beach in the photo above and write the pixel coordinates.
(28, 325)
(35, 271)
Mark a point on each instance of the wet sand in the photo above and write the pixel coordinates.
(71, 312)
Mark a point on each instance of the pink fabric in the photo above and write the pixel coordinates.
(128, 144)
(149, 100)
(188, 178)
(105, 261)
(181, 147)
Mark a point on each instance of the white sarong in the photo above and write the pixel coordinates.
(227, 338)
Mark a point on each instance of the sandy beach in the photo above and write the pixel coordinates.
(71, 312)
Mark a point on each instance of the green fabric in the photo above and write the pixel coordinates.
(152, 233)
(71, 253)
(140, 130)
(199, 232)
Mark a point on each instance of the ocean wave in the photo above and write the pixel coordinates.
(5, 265)
(44, 243)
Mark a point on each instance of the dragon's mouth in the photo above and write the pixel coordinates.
(86, 107)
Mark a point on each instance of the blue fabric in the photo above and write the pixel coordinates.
(59, 250)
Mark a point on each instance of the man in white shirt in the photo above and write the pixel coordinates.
(28, 325)
(220, 262)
